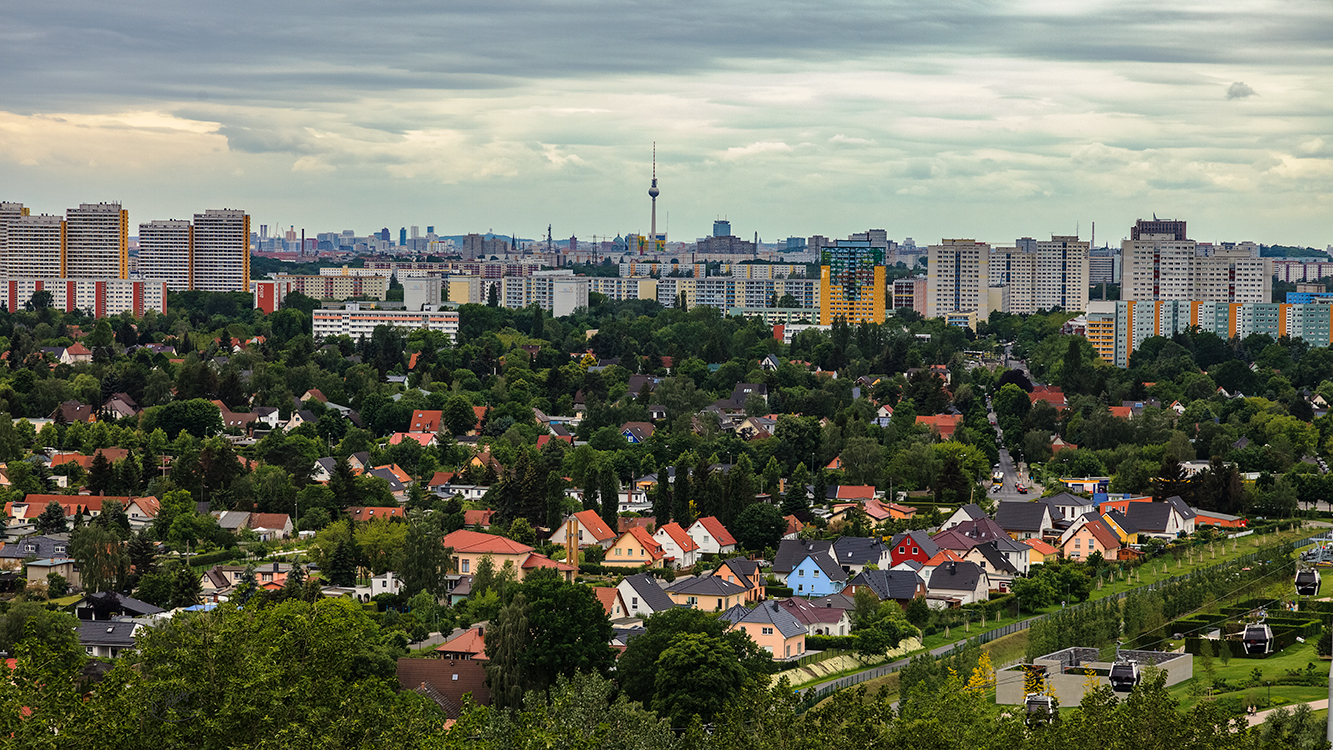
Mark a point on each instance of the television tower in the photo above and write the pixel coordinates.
(653, 192)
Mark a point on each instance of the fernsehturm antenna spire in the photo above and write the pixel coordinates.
(653, 192)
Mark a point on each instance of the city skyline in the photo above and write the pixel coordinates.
(931, 121)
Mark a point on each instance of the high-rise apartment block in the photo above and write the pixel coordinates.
(166, 252)
(222, 251)
(1162, 267)
(35, 247)
(910, 294)
(1143, 228)
(958, 278)
(8, 213)
(97, 241)
(558, 292)
(852, 283)
(965, 276)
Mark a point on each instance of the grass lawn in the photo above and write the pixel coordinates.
(1238, 675)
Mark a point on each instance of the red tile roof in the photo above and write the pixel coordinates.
(426, 421)
(421, 437)
(269, 520)
(1040, 546)
(679, 536)
(945, 423)
(362, 513)
(855, 492)
(470, 641)
(478, 517)
(646, 540)
(464, 540)
(595, 525)
(717, 530)
(607, 596)
(535, 560)
(542, 440)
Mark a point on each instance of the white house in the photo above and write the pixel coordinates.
(711, 536)
(643, 595)
(677, 545)
(385, 583)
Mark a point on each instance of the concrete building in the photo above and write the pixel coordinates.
(623, 287)
(98, 297)
(97, 242)
(356, 322)
(910, 294)
(852, 283)
(166, 252)
(558, 292)
(1103, 266)
(1163, 267)
(8, 212)
(1292, 271)
(35, 246)
(728, 292)
(420, 292)
(222, 251)
(270, 293)
(776, 315)
(957, 278)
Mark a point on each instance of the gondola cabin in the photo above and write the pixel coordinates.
(1124, 676)
(1307, 583)
(1038, 708)
(1258, 640)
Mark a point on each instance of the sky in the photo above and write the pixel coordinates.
(950, 118)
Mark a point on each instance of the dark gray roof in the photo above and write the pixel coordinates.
(103, 633)
(923, 541)
(705, 586)
(973, 511)
(112, 602)
(962, 576)
(1122, 521)
(857, 550)
(792, 551)
(770, 613)
(997, 562)
(826, 564)
(652, 594)
(742, 567)
(888, 584)
(387, 475)
(37, 546)
(1185, 511)
(1022, 516)
(835, 601)
(1150, 517)
(1065, 499)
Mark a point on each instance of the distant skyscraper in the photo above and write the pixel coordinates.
(721, 228)
(1172, 227)
(222, 251)
(852, 283)
(8, 212)
(958, 279)
(35, 247)
(402, 235)
(166, 252)
(97, 242)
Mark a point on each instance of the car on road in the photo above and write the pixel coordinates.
(1022, 489)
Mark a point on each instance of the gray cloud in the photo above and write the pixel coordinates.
(1239, 90)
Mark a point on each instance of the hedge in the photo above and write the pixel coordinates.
(216, 556)
(779, 591)
(826, 642)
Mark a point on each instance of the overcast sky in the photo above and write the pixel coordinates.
(947, 118)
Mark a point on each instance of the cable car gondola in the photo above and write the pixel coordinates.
(1307, 583)
(1124, 675)
(1038, 708)
(1258, 639)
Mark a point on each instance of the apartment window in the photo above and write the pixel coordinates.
(768, 631)
(800, 574)
(466, 566)
(719, 604)
(816, 574)
(634, 601)
(693, 600)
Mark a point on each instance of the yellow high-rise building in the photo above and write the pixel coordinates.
(852, 283)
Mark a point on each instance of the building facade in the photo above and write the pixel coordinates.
(166, 252)
(1162, 267)
(97, 242)
(910, 294)
(35, 246)
(558, 292)
(222, 251)
(958, 278)
(97, 297)
(852, 283)
(355, 322)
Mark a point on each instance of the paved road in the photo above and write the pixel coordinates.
(1257, 719)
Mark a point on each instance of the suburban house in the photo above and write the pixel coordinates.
(912, 545)
(875, 509)
(944, 424)
(270, 526)
(1089, 534)
(818, 619)
(1067, 507)
(470, 546)
(1023, 520)
(591, 530)
(38, 570)
(1164, 520)
(109, 605)
(108, 639)
(14, 553)
(901, 586)
(70, 412)
(634, 548)
(465, 646)
(385, 583)
(996, 563)
(969, 512)
(1119, 523)
(854, 553)
(636, 432)
(363, 513)
(960, 583)
(775, 629)
(643, 595)
(744, 573)
(611, 601)
(817, 574)
(711, 536)
(706, 592)
(446, 681)
(1041, 552)
(943, 557)
(679, 547)
(426, 439)
(120, 405)
(969, 534)
(792, 551)
(1220, 520)
(426, 421)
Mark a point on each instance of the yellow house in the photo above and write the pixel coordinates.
(1127, 532)
(709, 593)
(470, 546)
(635, 548)
(776, 630)
(1041, 552)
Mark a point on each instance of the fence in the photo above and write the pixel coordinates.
(814, 695)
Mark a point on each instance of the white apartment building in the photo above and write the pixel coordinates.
(623, 287)
(35, 247)
(355, 322)
(1161, 267)
(97, 242)
(165, 251)
(958, 278)
(222, 251)
(8, 213)
(1060, 274)
(558, 292)
(98, 297)
(728, 292)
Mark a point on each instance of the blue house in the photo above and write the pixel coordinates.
(817, 574)
(636, 432)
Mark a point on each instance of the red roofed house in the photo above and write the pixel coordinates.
(612, 601)
(480, 412)
(271, 525)
(944, 424)
(1051, 394)
(427, 439)
(542, 440)
(314, 393)
(1123, 412)
(470, 546)
(680, 548)
(1059, 444)
(362, 513)
(634, 548)
(478, 518)
(468, 645)
(142, 511)
(72, 411)
(426, 421)
(711, 536)
(1087, 535)
(440, 480)
(590, 531)
(1041, 551)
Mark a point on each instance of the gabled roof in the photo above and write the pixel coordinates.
(535, 560)
(809, 613)
(1040, 546)
(1150, 517)
(679, 536)
(717, 530)
(743, 568)
(705, 586)
(767, 613)
(973, 511)
(793, 551)
(1185, 511)
(649, 591)
(922, 540)
(595, 525)
(1103, 533)
(997, 561)
(118, 603)
(426, 420)
(942, 557)
(1066, 499)
(107, 633)
(961, 576)
(1122, 521)
(479, 517)
(607, 596)
(850, 492)
(361, 513)
(857, 550)
(421, 437)
(888, 584)
(826, 564)
(646, 540)
(1022, 516)
(474, 542)
(640, 430)
(470, 641)
(269, 520)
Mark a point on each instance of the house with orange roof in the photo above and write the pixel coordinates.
(142, 511)
(485, 459)
(426, 421)
(1089, 534)
(1041, 552)
(1123, 412)
(271, 525)
(711, 536)
(316, 394)
(744, 573)
(478, 518)
(942, 557)
(480, 412)
(834, 465)
(943, 424)
(1058, 444)
(635, 548)
(427, 439)
(111, 454)
(877, 510)
(364, 513)
(466, 646)
(440, 481)
(89, 505)
(542, 440)
(794, 527)
(681, 551)
(612, 601)
(1051, 394)
(469, 547)
(590, 531)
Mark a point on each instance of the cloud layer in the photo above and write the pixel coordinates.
(986, 119)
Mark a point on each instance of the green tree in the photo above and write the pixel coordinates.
(459, 416)
(694, 678)
(759, 527)
(101, 557)
(797, 501)
(637, 668)
(425, 560)
(52, 520)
